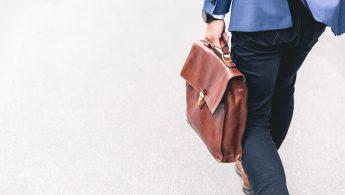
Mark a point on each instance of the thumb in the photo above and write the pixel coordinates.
(224, 40)
(214, 41)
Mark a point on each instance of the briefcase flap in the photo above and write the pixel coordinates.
(205, 71)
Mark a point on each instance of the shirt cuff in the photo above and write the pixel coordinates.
(220, 17)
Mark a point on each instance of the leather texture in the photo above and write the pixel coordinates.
(220, 122)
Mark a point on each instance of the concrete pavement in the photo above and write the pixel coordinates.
(91, 103)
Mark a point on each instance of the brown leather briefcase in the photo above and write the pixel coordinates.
(216, 100)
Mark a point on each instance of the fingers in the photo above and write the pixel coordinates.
(215, 33)
(218, 40)
(225, 36)
(224, 39)
(214, 40)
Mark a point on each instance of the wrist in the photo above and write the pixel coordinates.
(208, 18)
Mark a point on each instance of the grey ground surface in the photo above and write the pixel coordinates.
(91, 102)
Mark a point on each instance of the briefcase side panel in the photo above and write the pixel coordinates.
(235, 119)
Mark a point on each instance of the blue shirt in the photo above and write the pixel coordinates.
(259, 15)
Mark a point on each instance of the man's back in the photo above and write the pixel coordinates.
(252, 15)
(259, 15)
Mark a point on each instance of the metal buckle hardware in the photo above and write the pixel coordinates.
(201, 99)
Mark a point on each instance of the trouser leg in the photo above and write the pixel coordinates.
(283, 97)
(282, 110)
(259, 62)
(270, 60)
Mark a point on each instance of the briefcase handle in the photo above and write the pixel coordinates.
(224, 51)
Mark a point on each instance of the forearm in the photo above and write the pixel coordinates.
(216, 7)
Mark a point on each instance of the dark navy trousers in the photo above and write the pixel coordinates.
(270, 60)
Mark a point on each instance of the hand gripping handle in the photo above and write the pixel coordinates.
(224, 51)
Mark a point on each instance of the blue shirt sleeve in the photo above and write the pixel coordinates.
(217, 7)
